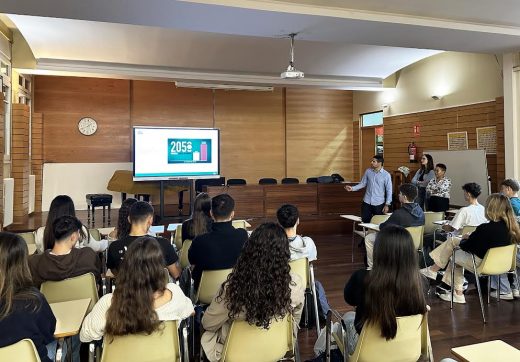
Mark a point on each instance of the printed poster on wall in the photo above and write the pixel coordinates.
(457, 141)
(487, 139)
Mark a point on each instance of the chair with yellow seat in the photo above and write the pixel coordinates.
(30, 240)
(177, 240)
(305, 270)
(163, 345)
(250, 343)
(96, 235)
(497, 261)
(80, 287)
(240, 224)
(210, 283)
(23, 350)
(417, 233)
(183, 256)
(410, 343)
(467, 229)
(429, 218)
(376, 219)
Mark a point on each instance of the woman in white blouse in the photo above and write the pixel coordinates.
(142, 299)
(438, 190)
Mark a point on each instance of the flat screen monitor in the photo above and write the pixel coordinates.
(169, 153)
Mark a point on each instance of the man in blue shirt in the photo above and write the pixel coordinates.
(378, 195)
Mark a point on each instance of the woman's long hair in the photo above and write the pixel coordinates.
(15, 276)
(200, 215)
(498, 207)
(123, 225)
(61, 205)
(259, 282)
(429, 166)
(140, 275)
(394, 286)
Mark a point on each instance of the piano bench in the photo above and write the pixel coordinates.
(96, 200)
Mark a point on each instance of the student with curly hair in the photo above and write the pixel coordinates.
(143, 297)
(122, 229)
(260, 287)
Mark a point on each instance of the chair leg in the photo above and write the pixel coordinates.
(489, 289)
(314, 298)
(452, 278)
(478, 287)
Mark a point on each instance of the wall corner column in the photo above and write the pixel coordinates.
(511, 116)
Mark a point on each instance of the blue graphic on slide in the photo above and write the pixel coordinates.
(189, 150)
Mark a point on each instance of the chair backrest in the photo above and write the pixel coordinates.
(96, 235)
(429, 218)
(301, 267)
(210, 283)
(408, 344)
(80, 287)
(160, 346)
(250, 343)
(28, 237)
(178, 237)
(236, 181)
(267, 181)
(417, 233)
(23, 350)
(498, 260)
(468, 229)
(290, 180)
(183, 257)
(312, 180)
(378, 219)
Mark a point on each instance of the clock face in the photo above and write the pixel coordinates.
(87, 126)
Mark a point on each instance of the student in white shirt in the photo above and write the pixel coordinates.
(300, 246)
(143, 297)
(471, 215)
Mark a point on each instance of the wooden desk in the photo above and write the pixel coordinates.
(69, 316)
(487, 351)
(311, 199)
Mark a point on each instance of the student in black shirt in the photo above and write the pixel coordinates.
(393, 288)
(24, 312)
(141, 217)
(220, 248)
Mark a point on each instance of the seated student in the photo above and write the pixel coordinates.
(143, 297)
(508, 288)
(63, 205)
(393, 288)
(24, 312)
(501, 230)
(140, 218)
(123, 225)
(300, 246)
(410, 214)
(200, 221)
(438, 190)
(64, 260)
(253, 291)
(220, 248)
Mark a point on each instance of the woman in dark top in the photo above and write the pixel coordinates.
(422, 178)
(393, 288)
(501, 230)
(200, 221)
(24, 312)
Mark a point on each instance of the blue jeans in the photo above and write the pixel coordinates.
(505, 287)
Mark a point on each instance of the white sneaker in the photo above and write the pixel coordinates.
(456, 298)
(516, 293)
(503, 296)
(428, 273)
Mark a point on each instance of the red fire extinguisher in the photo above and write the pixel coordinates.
(412, 152)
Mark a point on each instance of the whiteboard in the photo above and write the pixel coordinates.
(463, 167)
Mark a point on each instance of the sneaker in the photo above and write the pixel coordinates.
(428, 273)
(456, 298)
(503, 296)
(516, 293)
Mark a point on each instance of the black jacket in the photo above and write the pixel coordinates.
(489, 235)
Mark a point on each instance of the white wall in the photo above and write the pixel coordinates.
(78, 180)
(460, 78)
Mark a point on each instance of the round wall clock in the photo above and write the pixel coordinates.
(87, 126)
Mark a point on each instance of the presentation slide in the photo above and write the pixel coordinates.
(169, 153)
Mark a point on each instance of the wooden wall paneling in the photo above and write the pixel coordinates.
(249, 199)
(356, 172)
(367, 148)
(334, 199)
(434, 126)
(252, 134)
(63, 101)
(162, 104)
(37, 158)
(20, 164)
(319, 133)
(303, 196)
(499, 119)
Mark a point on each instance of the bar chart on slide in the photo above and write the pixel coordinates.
(189, 150)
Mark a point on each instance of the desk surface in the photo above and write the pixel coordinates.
(69, 316)
(487, 351)
(370, 226)
(352, 217)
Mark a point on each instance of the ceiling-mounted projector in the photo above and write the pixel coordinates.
(291, 72)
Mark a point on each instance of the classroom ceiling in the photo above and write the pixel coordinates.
(340, 44)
